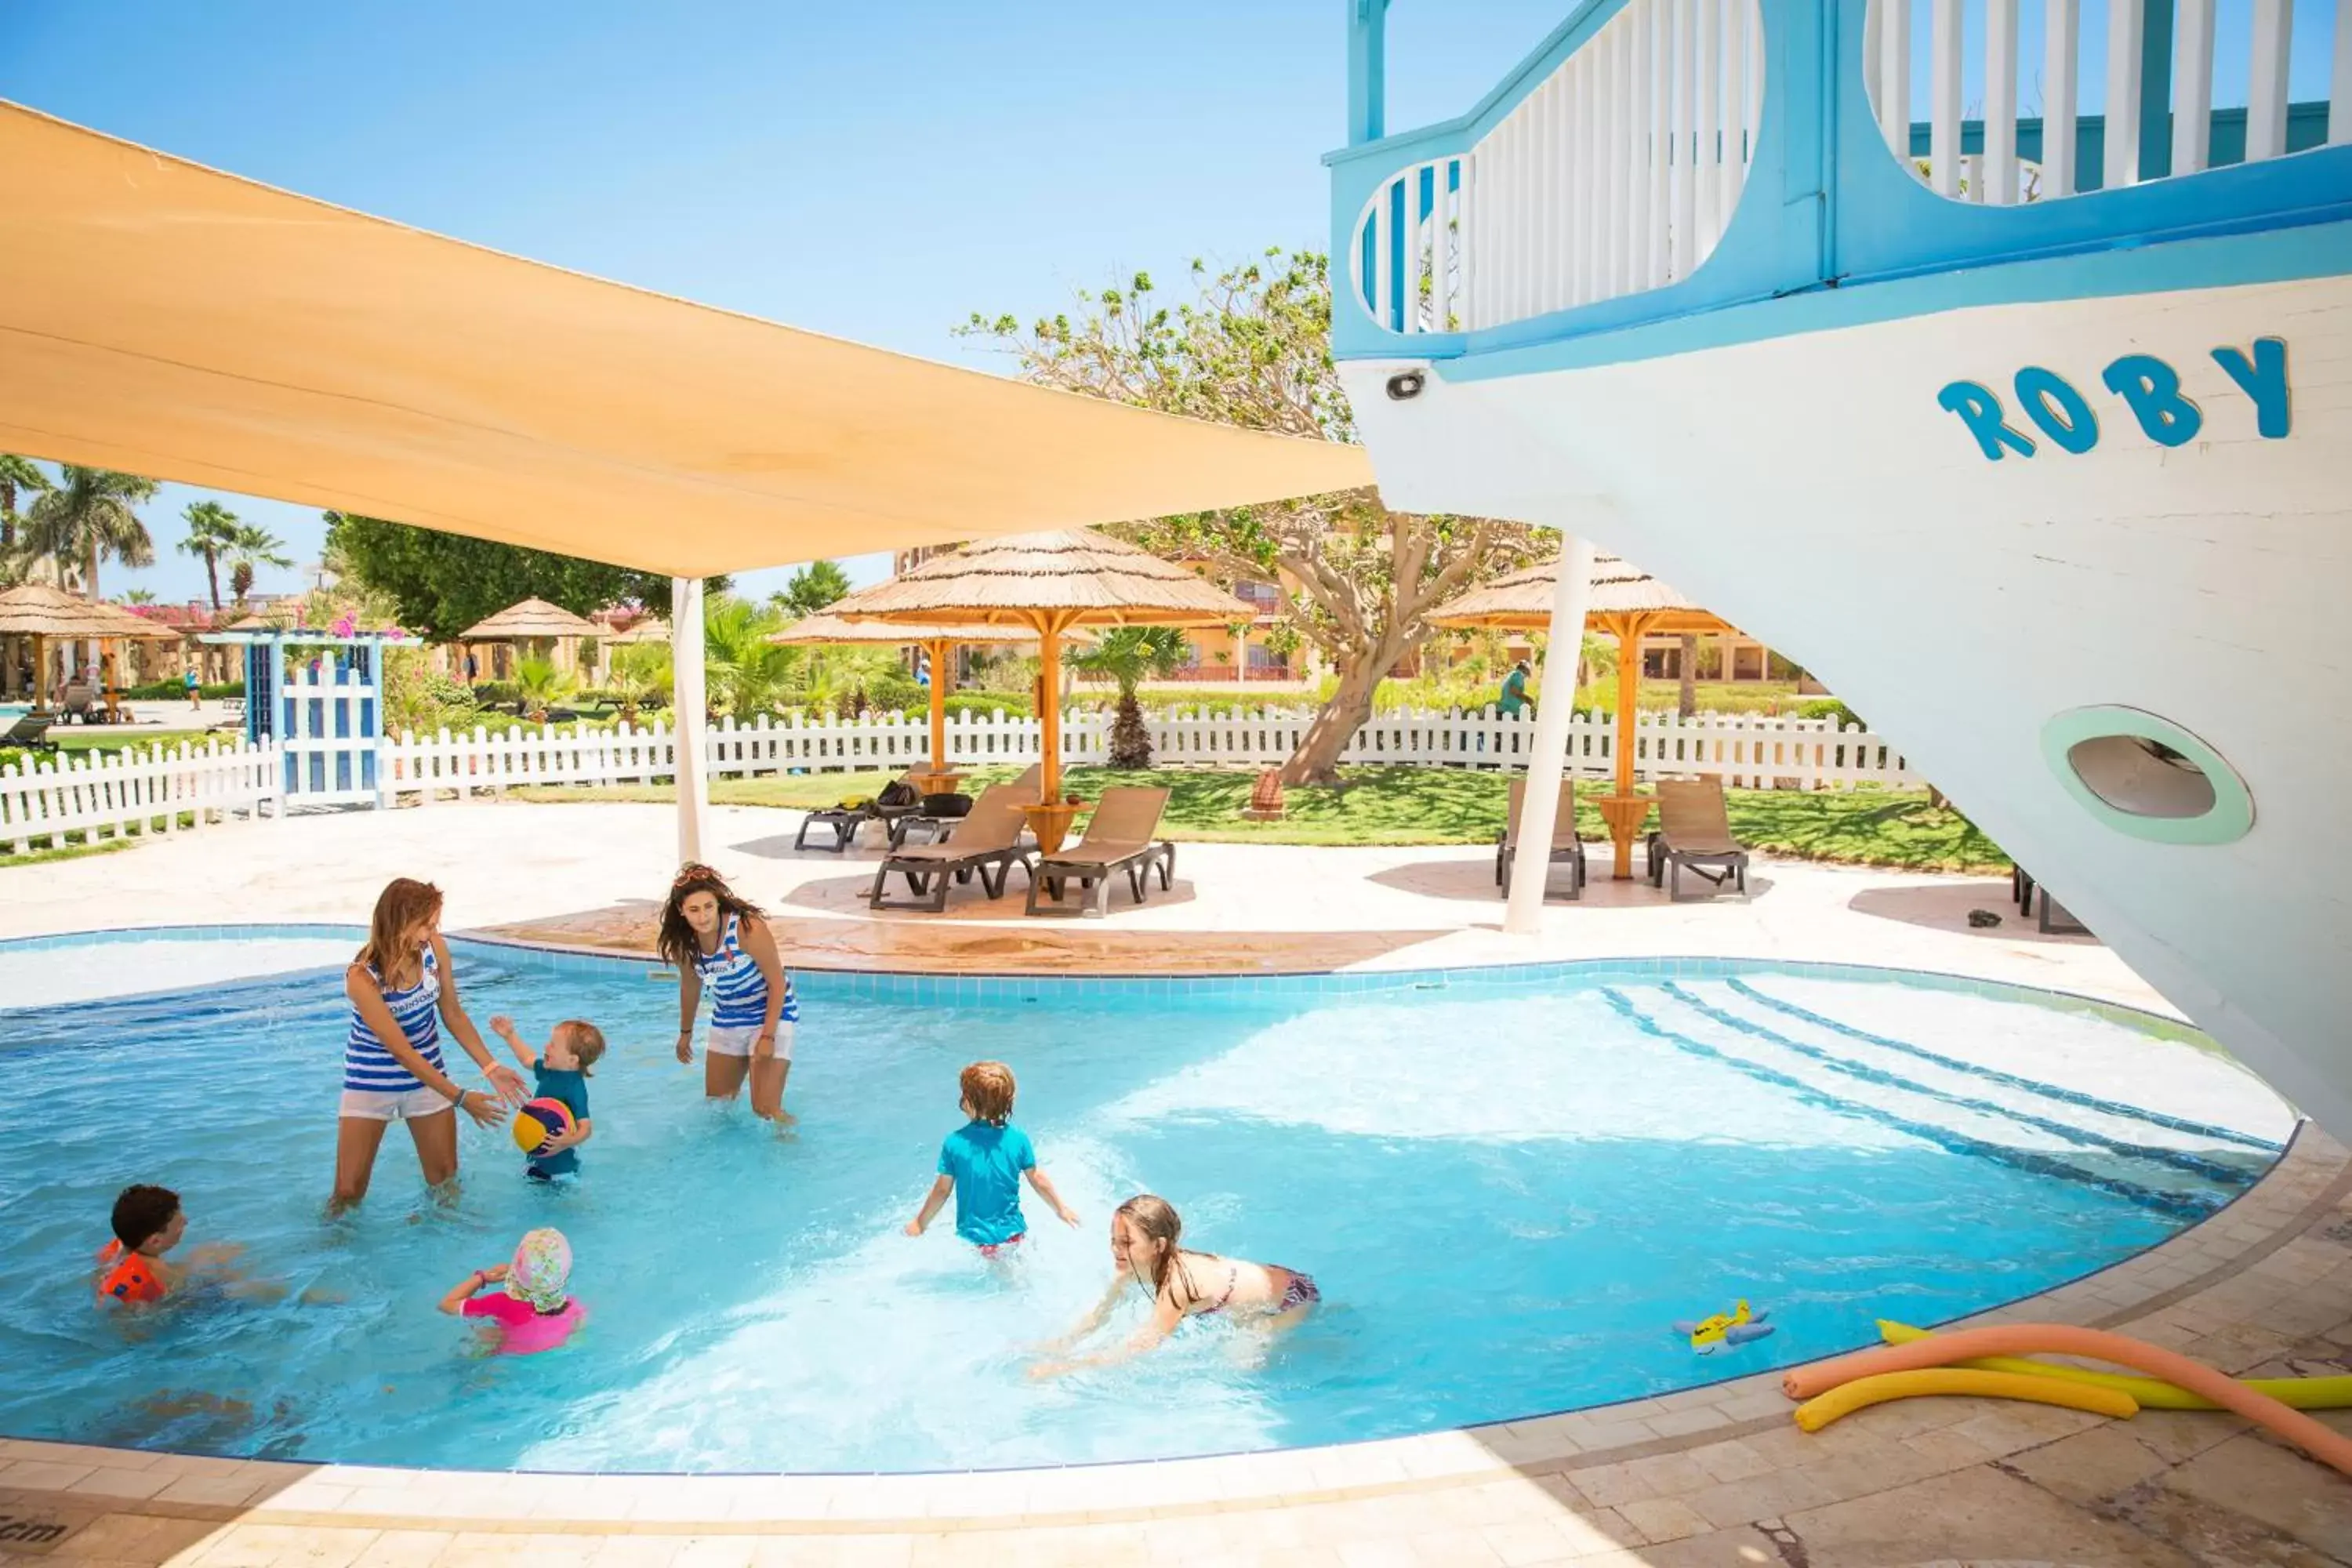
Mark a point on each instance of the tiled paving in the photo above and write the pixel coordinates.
(1714, 1475)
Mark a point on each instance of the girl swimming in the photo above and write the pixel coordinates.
(713, 938)
(1183, 1284)
(537, 1311)
(402, 989)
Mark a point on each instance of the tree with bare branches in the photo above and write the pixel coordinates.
(1253, 348)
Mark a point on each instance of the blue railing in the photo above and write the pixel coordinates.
(1659, 158)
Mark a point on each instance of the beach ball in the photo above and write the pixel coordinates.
(538, 1120)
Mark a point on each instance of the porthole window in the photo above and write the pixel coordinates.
(2144, 775)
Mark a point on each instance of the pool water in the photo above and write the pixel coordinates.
(1506, 1187)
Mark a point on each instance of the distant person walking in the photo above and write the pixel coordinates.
(195, 688)
(1515, 691)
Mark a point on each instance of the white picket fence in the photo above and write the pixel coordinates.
(138, 791)
(1747, 750)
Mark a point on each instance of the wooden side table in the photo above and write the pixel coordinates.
(938, 783)
(1624, 813)
(1051, 822)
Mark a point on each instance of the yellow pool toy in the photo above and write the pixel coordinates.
(1735, 1327)
(1848, 1397)
(2294, 1393)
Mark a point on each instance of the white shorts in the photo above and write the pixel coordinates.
(394, 1104)
(731, 1041)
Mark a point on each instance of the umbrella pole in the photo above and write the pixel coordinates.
(1540, 806)
(936, 650)
(1049, 720)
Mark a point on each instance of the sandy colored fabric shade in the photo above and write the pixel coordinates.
(1521, 601)
(169, 320)
(1075, 577)
(652, 629)
(532, 620)
(36, 609)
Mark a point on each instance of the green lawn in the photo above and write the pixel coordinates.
(1434, 805)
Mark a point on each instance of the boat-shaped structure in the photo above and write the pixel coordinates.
(1968, 353)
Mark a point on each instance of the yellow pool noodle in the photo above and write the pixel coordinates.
(1848, 1397)
(2295, 1393)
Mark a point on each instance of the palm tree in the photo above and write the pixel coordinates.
(212, 533)
(87, 517)
(640, 674)
(139, 597)
(1131, 655)
(15, 474)
(248, 545)
(745, 672)
(540, 686)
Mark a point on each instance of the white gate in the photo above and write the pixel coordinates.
(326, 722)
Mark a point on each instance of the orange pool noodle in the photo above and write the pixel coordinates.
(1848, 1397)
(2327, 1446)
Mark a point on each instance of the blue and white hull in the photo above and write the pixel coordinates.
(2070, 521)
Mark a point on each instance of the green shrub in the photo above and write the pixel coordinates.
(1830, 708)
(177, 690)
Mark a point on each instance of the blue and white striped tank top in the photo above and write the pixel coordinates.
(738, 991)
(367, 1064)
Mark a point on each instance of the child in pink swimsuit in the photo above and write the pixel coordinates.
(535, 1311)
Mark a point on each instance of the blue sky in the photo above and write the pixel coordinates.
(876, 171)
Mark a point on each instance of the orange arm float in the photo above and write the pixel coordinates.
(2329, 1448)
(1848, 1397)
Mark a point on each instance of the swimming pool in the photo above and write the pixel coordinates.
(1507, 1183)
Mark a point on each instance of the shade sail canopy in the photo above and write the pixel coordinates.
(39, 610)
(1064, 578)
(830, 630)
(529, 621)
(1521, 601)
(164, 318)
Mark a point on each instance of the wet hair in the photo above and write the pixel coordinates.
(1156, 1217)
(676, 940)
(988, 1088)
(404, 903)
(141, 1213)
(587, 1044)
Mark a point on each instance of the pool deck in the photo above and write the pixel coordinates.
(1709, 1476)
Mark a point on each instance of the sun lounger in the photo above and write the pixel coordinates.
(845, 820)
(1565, 845)
(31, 730)
(1693, 831)
(1121, 836)
(938, 826)
(78, 701)
(987, 839)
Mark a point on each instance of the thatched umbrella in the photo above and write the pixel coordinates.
(939, 645)
(41, 611)
(652, 628)
(1629, 604)
(531, 621)
(1047, 583)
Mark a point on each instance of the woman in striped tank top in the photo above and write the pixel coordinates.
(402, 991)
(718, 942)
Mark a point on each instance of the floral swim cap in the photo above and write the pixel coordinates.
(542, 1269)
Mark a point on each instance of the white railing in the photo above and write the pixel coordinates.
(98, 796)
(1616, 175)
(1997, 174)
(1750, 751)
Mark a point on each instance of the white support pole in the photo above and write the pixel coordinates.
(1571, 597)
(688, 700)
